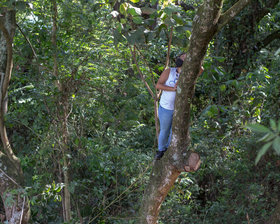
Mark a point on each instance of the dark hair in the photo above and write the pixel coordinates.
(178, 60)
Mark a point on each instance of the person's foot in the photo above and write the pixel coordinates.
(159, 154)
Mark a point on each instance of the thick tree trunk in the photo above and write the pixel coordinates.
(11, 176)
(179, 158)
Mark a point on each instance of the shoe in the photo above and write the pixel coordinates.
(159, 154)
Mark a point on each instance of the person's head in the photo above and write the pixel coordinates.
(180, 59)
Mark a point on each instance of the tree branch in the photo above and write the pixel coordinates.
(232, 12)
(28, 41)
(266, 41)
(133, 52)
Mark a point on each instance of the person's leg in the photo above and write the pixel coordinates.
(165, 120)
(170, 136)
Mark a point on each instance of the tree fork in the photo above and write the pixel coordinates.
(179, 158)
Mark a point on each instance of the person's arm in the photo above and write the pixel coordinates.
(162, 79)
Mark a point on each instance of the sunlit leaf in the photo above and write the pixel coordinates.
(134, 11)
(223, 87)
(123, 8)
(114, 13)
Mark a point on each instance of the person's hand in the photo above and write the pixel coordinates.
(201, 70)
(175, 87)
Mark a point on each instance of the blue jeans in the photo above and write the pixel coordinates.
(165, 120)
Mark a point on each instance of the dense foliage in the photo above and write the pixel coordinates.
(111, 124)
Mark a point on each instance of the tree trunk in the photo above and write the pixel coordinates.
(64, 148)
(179, 158)
(62, 115)
(17, 208)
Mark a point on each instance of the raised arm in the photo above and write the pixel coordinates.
(162, 79)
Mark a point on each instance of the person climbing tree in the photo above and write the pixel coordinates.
(168, 84)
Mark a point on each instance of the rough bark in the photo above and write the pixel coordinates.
(11, 176)
(179, 157)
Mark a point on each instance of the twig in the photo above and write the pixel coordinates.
(28, 41)
(140, 73)
(22, 210)
(169, 45)
(10, 178)
(158, 93)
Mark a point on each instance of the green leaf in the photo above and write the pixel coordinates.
(264, 137)
(262, 151)
(279, 125)
(267, 137)
(136, 37)
(223, 87)
(276, 145)
(134, 1)
(153, 2)
(169, 21)
(258, 128)
(21, 5)
(169, 10)
(148, 10)
(273, 125)
(134, 11)
(123, 8)
(137, 19)
(211, 111)
(178, 19)
(118, 37)
(219, 59)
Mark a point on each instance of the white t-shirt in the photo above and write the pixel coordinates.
(167, 99)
